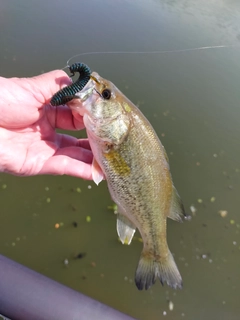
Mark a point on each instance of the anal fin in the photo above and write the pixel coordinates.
(125, 229)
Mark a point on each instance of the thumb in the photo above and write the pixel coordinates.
(49, 83)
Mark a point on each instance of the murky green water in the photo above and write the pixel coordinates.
(191, 98)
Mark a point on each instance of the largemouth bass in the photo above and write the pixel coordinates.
(128, 153)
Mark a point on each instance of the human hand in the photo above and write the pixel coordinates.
(29, 144)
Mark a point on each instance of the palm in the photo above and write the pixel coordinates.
(29, 144)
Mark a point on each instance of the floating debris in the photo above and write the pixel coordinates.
(182, 259)
(4, 186)
(164, 313)
(48, 200)
(215, 155)
(89, 187)
(193, 210)
(93, 264)
(198, 164)
(88, 219)
(58, 225)
(170, 305)
(78, 190)
(223, 213)
(232, 221)
(13, 244)
(46, 188)
(137, 239)
(200, 201)
(66, 262)
(75, 224)
(80, 255)
(213, 199)
(234, 243)
(114, 208)
(74, 208)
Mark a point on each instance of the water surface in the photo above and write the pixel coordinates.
(192, 100)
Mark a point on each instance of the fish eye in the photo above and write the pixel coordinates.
(106, 94)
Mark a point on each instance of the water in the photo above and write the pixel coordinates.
(192, 100)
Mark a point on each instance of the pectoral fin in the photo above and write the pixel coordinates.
(177, 210)
(125, 229)
(97, 173)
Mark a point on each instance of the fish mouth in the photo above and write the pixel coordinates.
(92, 77)
(78, 103)
(95, 79)
(86, 92)
(83, 99)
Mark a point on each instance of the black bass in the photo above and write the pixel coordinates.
(128, 153)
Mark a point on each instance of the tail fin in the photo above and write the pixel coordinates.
(149, 269)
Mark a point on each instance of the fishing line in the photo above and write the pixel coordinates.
(149, 52)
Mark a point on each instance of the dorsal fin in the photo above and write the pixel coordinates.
(177, 209)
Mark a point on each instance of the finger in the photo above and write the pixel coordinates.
(70, 141)
(49, 83)
(60, 165)
(61, 117)
(84, 143)
(76, 153)
(66, 120)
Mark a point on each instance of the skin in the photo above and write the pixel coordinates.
(29, 143)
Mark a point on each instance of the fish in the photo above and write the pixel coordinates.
(130, 157)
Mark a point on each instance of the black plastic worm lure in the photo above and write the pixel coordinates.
(67, 94)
